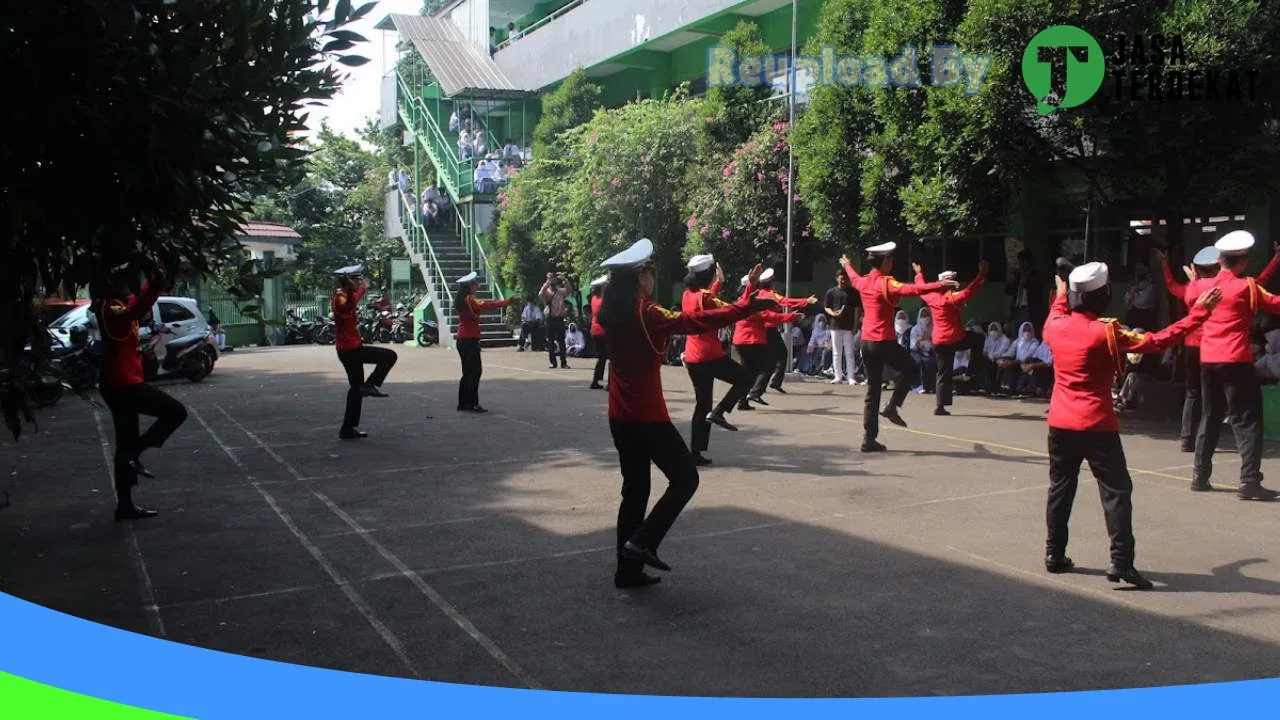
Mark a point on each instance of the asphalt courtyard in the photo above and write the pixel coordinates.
(479, 549)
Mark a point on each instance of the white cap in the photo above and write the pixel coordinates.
(698, 263)
(766, 276)
(1088, 277)
(947, 275)
(468, 278)
(349, 270)
(1235, 243)
(881, 250)
(1207, 256)
(632, 258)
(600, 281)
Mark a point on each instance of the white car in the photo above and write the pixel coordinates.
(181, 315)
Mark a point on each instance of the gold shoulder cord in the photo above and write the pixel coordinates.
(106, 330)
(645, 328)
(1253, 296)
(1113, 347)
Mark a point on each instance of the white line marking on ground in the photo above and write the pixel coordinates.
(146, 589)
(431, 594)
(354, 596)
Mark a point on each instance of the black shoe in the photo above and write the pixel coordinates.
(551, 366)
(699, 459)
(351, 434)
(133, 512)
(1256, 492)
(137, 467)
(372, 391)
(745, 406)
(873, 446)
(1188, 448)
(1128, 574)
(639, 578)
(478, 409)
(564, 365)
(1058, 564)
(716, 418)
(1197, 486)
(778, 388)
(891, 414)
(648, 557)
(940, 411)
(596, 386)
(757, 399)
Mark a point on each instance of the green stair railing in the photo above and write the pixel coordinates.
(420, 250)
(456, 176)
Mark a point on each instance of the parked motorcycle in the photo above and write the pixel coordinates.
(325, 333)
(401, 324)
(192, 357)
(298, 331)
(78, 363)
(429, 334)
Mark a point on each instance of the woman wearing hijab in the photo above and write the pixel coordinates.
(1020, 352)
(597, 332)
(922, 350)
(1037, 372)
(468, 341)
(705, 357)
(994, 348)
(902, 335)
(574, 342)
(637, 329)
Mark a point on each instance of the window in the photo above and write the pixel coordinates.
(173, 312)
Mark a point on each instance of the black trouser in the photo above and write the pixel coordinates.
(877, 355)
(602, 358)
(704, 376)
(1105, 455)
(639, 444)
(1191, 404)
(469, 385)
(946, 354)
(778, 352)
(126, 404)
(1231, 390)
(353, 361)
(555, 339)
(759, 362)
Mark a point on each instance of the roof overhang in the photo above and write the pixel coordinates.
(462, 70)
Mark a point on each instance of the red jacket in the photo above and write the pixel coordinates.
(637, 351)
(596, 302)
(344, 318)
(753, 329)
(1188, 292)
(1225, 336)
(1088, 353)
(118, 321)
(702, 347)
(945, 307)
(469, 315)
(880, 294)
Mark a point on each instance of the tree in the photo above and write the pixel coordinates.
(568, 106)
(736, 112)
(171, 112)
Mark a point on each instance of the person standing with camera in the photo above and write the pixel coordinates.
(554, 293)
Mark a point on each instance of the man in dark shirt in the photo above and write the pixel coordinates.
(842, 307)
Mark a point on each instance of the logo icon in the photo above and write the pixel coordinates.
(1082, 62)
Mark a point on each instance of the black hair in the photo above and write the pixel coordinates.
(617, 308)
(1236, 261)
(697, 280)
(461, 295)
(1094, 301)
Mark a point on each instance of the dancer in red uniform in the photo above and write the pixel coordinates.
(1087, 354)
(122, 383)
(597, 332)
(949, 335)
(1229, 381)
(638, 330)
(704, 356)
(353, 354)
(1199, 277)
(880, 294)
(777, 344)
(757, 339)
(468, 341)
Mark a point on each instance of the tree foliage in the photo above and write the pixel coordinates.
(568, 106)
(142, 154)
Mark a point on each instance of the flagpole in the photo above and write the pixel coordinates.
(791, 167)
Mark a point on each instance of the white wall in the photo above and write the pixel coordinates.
(594, 32)
(472, 18)
(256, 248)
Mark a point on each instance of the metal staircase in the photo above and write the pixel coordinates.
(442, 257)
